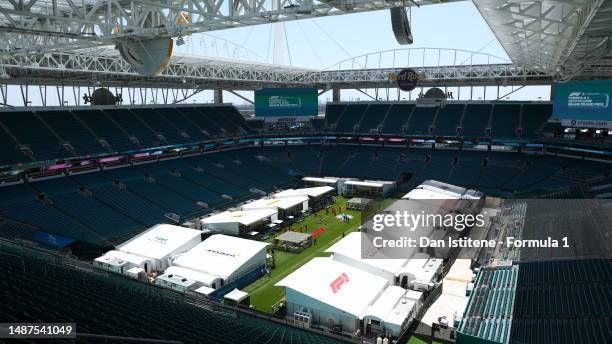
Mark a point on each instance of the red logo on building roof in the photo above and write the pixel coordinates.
(338, 282)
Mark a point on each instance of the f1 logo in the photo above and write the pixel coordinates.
(338, 282)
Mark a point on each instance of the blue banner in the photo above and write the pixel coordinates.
(584, 103)
(286, 102)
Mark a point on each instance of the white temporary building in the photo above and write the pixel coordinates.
(238, 222)
(420, 272)
(427, 194)
(313, 192)
(216, 261)
(319, 181)
(331, 294)
(417, 272)
(393, 310)
(348, 250)
(451, 303)
(150, 250)
(285, 206)
(433, 189)
(375, 188)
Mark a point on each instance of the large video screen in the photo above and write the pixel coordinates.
(584, 103)
(286, 102)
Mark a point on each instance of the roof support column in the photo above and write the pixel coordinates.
(335, 95)
(218, 96)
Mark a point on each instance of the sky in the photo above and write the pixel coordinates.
(323, 42)
(320, 42)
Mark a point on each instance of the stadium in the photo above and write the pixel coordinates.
(162, 183)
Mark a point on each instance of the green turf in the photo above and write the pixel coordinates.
(264, 295)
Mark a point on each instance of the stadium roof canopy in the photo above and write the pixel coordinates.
(546, 40)
(567, 37)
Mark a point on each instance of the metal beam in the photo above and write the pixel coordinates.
(103, 67)
(43, 26)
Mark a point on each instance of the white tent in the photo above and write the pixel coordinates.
(151, 249)
(231, 222)
(332, 293)
(280, 204)
(394, 309)
(321, 181)
(219, 260)
(313, 192)
(348, 250)
(421, 271)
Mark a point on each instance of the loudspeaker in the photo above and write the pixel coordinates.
(401, 25)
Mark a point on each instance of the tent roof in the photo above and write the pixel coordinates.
(339, 285)
(393, 305)
(350, 246)
(281, 202)
(159, 241)
(293, 237)
(236, 295)
(312, 192)
(320, 180)
(245, 217)
(220, 255)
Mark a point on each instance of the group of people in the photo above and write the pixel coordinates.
(345, 218)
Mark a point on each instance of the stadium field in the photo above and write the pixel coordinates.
(264, 295)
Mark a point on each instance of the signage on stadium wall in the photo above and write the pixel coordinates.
(406, 79)
(584, 103)
(286, 102)
(581, 123)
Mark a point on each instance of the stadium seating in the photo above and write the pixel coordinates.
(396, 118)
(540, 302)
(350, 117)
(405, 118)
(29, 130)
(475, 120)
(13, 231)
(505, 121)
(35, 289)
(54, 134)
(373, 117)
(448, 119)
(332, 114)
(105, 206)
(134, 127)
(317, 124)
(534, 118)
(73, 132)
(421, 120)
(563, 302)
(205, 124)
